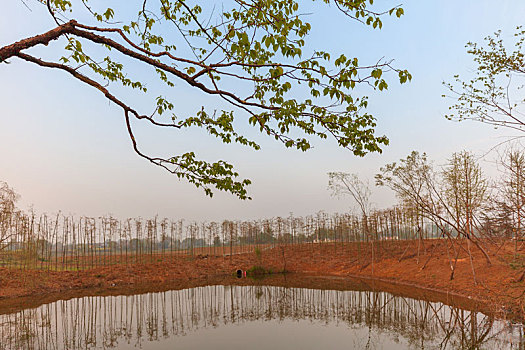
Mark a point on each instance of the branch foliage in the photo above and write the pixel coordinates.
(493, 96)
(251, 54)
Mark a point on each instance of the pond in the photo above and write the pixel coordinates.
(256, 315)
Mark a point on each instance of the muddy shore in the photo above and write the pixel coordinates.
(409, 271)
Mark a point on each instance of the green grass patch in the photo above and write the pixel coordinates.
(258, 270)
(517, 262)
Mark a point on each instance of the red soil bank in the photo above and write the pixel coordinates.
(497, 285)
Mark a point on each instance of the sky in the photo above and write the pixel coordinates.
(64, 147)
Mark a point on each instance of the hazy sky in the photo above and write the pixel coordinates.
(64, 147)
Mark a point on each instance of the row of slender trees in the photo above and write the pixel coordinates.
(455, 202)
(64, 242)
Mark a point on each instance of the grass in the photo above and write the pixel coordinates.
(258, 270)
(518, 261)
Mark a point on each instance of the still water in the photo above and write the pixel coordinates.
(255, 317)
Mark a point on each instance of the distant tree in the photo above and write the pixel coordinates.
(414, 182)
(248, 54)
(8, 199)
(465, 192)
(512, 189)
(134, 244)
(217, 241)
(465, 189)
(490, 97)
(347, 184)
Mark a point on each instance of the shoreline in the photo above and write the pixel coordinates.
(495, 292)
(292, 280)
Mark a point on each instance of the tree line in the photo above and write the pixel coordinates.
(455, 202)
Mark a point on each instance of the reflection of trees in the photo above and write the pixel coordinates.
(104, 322)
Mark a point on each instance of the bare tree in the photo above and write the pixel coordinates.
(512, 188)
(416, 183)
(465, 191)
(343, 184)
(8, 199)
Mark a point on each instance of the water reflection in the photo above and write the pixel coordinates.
(372, 318)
